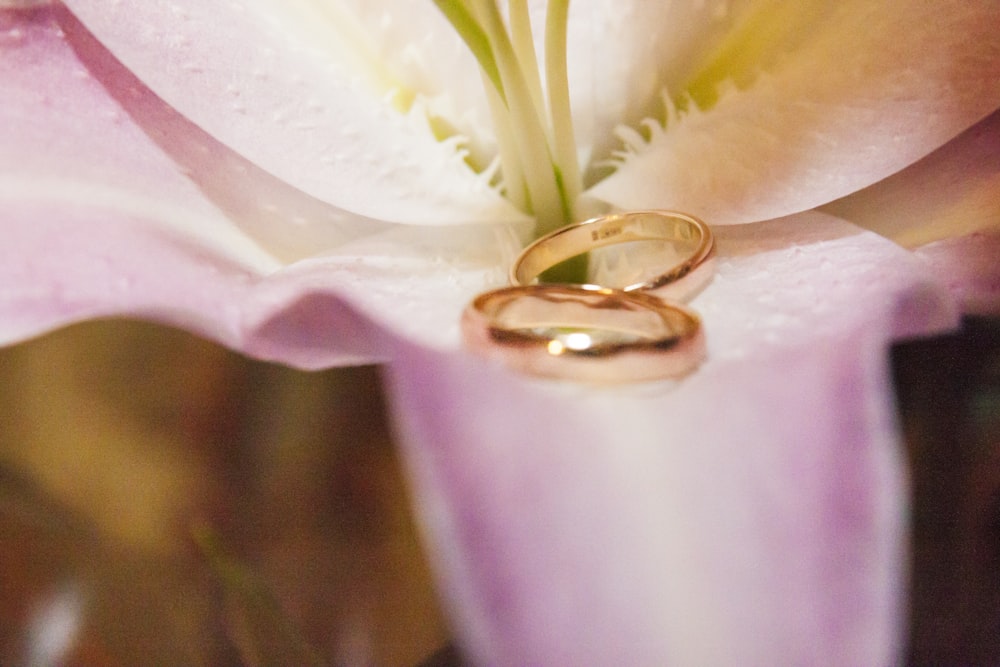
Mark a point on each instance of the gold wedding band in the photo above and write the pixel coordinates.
(645, 242)
(585, 333)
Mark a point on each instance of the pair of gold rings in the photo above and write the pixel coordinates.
(621, 322)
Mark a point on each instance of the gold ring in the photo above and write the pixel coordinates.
(584, 332)
(645, 242)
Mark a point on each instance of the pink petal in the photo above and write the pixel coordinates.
(114, 205)
(952, 192)
(862, 92)
(78, 126)
(753, 513)
(96, 220)
(947, 206)
(969, 266)
(298, 112)
(410, 283)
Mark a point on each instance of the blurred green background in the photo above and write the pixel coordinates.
(126, 449)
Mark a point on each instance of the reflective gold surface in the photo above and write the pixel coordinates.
(584, 333)
(637, 250)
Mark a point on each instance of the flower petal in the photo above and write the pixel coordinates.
(416, 45)
(64, 139)
(952, 192)
(79, 127)
(409, 282)
(783, 290)
(752, 513)
(117, 206)
(644, 47)
(968, 265)
(96, 220)
(297, 111)
(947, 206)
(861, 91)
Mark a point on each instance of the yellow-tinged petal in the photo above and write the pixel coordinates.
(952, 192)
(847, 95)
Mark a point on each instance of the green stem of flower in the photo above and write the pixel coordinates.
(573, 270)
(524, 50)
(514, 184)
(557, 83)
(536, 142)
(529, 135)
(460, 16)
(262, 631)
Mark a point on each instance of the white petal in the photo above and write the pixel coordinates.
(623, 53)
(860, 94)
(302, 113)
(416, 43)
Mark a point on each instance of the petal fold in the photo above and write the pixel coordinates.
(753, 513)
(113, 205)
(968, 266)
(946, 207)
(952, 192)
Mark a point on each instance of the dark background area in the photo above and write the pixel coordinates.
(949, 395)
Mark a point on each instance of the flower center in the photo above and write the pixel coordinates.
(533, 124)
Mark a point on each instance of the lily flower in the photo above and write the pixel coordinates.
(315, 183)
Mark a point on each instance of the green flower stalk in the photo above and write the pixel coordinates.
(541, 173)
